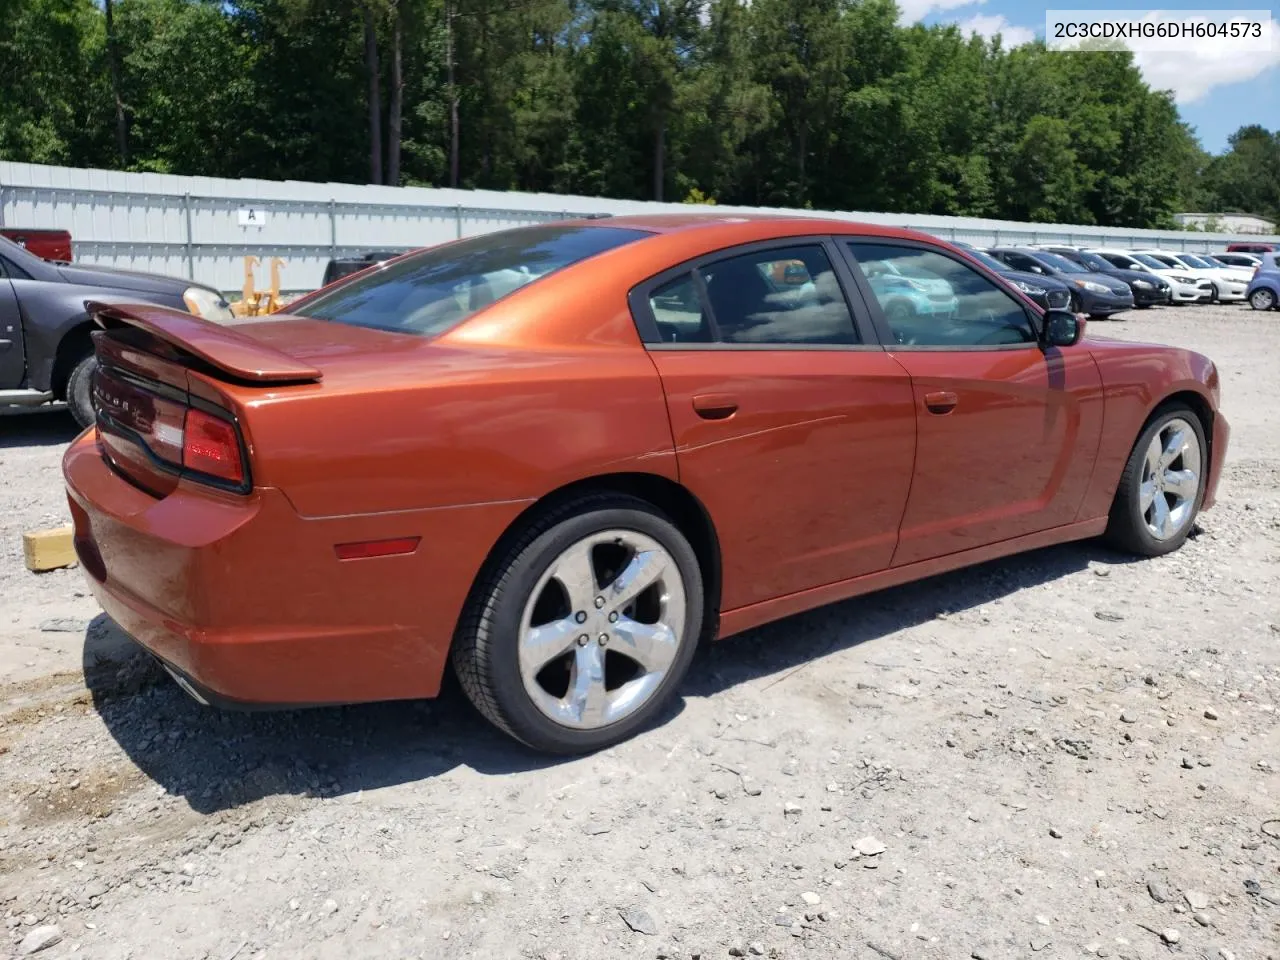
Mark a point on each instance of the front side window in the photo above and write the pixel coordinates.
(930, 300)
(429, 292)
(782, 295)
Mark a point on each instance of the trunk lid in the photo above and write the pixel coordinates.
(156, 422)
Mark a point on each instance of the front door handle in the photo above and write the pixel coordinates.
(940, 402)
(715, 406)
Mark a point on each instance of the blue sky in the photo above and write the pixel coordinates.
(1216, 94)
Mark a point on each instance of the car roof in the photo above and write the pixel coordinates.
(761, 225)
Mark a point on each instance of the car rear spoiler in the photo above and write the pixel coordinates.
(221, 347)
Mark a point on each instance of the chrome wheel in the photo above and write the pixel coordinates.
(1262, 300)
(1170, 480)
(601, 629)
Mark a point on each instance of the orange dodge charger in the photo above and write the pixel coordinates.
(561, 455)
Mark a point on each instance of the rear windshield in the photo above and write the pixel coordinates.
(429, 292)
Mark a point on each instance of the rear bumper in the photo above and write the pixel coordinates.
(248, 601)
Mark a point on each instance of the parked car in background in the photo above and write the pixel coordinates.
(1248, 261)
(54, 245)
(1228, 284)
(1048, 292)
(1250, 247)
(1097, 294)
(340, 267)
(1212, 262)
(1264, 288)
(1186, 287)
(905, 293)
(561, 487)
(45, 350)
(1147, 289)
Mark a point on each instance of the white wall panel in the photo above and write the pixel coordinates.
(188, 226)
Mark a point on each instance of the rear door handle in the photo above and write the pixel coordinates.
(715, 406)
(940, 402)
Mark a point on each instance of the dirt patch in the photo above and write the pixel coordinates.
(93, 793)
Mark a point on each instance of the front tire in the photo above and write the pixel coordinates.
(80, 393)
(1162, 485)
(580, 634)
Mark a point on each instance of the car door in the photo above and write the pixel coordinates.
(1007, 432)
(791, 423)
(13, 364)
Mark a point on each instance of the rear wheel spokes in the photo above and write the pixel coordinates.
(602, 628)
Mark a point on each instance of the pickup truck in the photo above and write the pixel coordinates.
(42, 241)
(46, 354)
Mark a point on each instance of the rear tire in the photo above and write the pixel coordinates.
(1162, 485)
(546, 656)
(80, 391)
(1262, 299)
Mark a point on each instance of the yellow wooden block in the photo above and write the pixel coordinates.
(49, 549)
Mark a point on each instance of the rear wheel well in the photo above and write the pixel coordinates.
(75, 345)
(681, 506)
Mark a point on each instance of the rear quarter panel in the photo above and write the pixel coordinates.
(445, 427)
(1137, 378)
(52, 310)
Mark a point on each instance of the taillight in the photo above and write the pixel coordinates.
(210, 445)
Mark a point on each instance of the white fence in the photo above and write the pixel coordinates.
(202, 227)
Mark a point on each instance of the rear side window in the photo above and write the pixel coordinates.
(780, 295)
(678, 312)
(430, 292)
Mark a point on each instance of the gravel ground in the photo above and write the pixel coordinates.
(1061, 754)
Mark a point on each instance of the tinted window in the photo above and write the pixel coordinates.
(678, 312)
(1021, 261)
(1094, 262)
(931, 300)
(429, 292)
(988, 261)
(1057, 262)
(780, 295)
(10, 269)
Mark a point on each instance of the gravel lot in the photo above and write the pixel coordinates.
(1062, 754)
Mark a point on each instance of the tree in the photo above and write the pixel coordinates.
(802, 103)
(113, 65)
(374, 97)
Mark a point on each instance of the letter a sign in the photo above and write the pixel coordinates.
(252, 217)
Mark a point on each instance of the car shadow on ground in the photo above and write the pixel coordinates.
(218, 760)
(39, 427)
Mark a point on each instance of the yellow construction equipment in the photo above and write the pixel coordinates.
(254, 302)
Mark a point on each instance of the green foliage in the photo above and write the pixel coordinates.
(802, 103)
